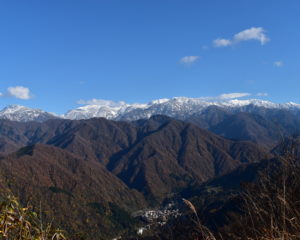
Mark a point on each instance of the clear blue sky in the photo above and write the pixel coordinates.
(133, 50)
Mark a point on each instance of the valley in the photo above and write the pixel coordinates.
(101, 178)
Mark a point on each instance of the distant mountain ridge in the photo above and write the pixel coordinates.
(179, 107)
(24, 114)
(253, 120)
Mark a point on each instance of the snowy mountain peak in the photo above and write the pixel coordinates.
(159, 101)
(108, 111)
(177, 107)
(13, 108)
(25, 114)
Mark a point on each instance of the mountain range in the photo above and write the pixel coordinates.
(179, 107)
(253, 120)
(92, 174)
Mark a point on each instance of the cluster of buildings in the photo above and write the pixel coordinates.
(157, 218)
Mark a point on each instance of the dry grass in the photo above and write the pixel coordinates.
(270, 207)
(18, 223)
(203, 232)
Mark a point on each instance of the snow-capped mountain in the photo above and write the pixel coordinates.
(25, 114)
(178, 107)
(104, 108)
(90, 111)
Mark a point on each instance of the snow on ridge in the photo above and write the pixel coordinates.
(177, 107)
(25, 114)
(159, 101)
(174, 107)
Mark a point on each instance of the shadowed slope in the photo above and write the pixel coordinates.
(158, 156)
(78, 193)
(177, 155)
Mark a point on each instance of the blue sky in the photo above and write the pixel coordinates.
(55, 52)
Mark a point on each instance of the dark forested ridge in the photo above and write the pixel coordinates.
(81, 170)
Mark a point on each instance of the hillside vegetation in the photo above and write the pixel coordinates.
(22, 223)
(257, 202)
(90, 176)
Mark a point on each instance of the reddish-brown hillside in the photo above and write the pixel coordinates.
(77, 193)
